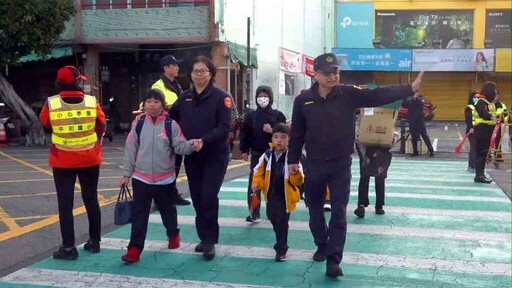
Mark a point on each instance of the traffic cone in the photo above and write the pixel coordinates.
(3, 136)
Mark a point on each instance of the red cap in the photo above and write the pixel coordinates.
(68, 75)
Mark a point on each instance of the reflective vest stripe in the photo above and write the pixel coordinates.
(69, 114)
(74, 141)
(74, 128)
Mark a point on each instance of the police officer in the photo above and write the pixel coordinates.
(204, 113)
(77, 123)
(469, 116)
(484, 123)
(256, 134)
(323, 119)
(414, 105)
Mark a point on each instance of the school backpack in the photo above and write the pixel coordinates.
(168, 128)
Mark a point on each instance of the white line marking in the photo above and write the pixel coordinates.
(74, 279)
(360, 229)
(488, 268)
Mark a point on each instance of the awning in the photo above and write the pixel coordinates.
(238, 53)
(54, 53)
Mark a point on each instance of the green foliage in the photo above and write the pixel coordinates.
(28, 26)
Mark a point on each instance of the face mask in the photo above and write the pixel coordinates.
(263, 101)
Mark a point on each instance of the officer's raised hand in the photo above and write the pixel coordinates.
(417, 82)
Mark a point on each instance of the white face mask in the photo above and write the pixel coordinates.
(263, 101)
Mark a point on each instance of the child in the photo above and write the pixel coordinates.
(374, 161)
(149, 157)
(279, 188)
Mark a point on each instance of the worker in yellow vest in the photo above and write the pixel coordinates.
(484, 123)
(469, 116)
(77, 124)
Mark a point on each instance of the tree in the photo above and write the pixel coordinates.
(29, 26)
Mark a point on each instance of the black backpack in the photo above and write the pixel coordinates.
(168, 128)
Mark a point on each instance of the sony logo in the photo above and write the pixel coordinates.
(495, 14)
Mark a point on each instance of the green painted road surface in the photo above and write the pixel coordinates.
(440, 230)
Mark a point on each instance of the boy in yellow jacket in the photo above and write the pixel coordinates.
(279, 187)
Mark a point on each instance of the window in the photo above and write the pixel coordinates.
(124, 4)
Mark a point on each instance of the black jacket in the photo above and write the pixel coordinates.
(252, 135)
(327, 126)
(468, 117)
(173, 85)
(206, 116)
(414, 107)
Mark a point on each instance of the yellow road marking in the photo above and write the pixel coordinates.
(80, 210)
(25, 163)
(34, 217)
(17, 172)
(11, 223)
(48, 193)
(51, 179)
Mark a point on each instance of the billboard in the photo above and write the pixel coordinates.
(374, 59)
(444, 29)
(497, 27)
(453, 60)
(354, 25)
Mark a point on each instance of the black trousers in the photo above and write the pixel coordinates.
(65, 179)
(335, 174)
(483, 134)
(205, 176)
(276, 213)
(143, 194)
(363, 191)
(472, 151)
(417, 128)
(255, 156)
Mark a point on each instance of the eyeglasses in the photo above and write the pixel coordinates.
(200, 72)
(330, 74)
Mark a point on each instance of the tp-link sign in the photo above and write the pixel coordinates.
(354, 25)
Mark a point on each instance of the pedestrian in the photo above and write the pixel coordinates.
(171, 89)
(323, 119)
(280, 187)
(416, 118)
(469, 116)
(204, 113)
(256, 134)
(374, 162)
(150, 149)
(483, 127)
(77, 123)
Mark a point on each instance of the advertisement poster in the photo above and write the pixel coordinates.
(453, 60)
(290, 61)
(497, 27)
(308, 68)
(442, 29)
(354, 25)
(374, 59)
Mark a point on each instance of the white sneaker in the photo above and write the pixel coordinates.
(327, 207)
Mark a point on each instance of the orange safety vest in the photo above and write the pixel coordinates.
(73, 125)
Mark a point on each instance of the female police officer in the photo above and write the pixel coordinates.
(204, 112)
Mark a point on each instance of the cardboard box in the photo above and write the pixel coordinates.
(377, 127)
(422, 148)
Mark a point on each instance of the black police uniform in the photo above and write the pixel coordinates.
(483, 133)
(416, 120)
(255, 140)
(327, 127)
(205, 116)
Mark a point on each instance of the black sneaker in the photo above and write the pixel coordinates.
(92, 246)
(66, 254)
(359, 211)
(333, 269)
(414, 154)
(199, 248)
(319, 255)
(431, 153)
(208, 251)
(379, 210)
(482, 179)
(280, 257)
(180, 200)
(252, 219)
